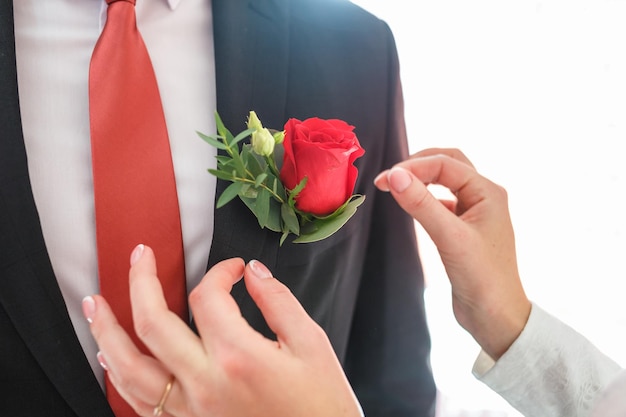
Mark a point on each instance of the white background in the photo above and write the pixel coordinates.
(534, 92)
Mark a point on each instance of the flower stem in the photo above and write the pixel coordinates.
(249, 181)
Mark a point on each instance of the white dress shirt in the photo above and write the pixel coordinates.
(552, 370)
(54, 41)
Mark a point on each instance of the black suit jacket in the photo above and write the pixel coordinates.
(364, 285)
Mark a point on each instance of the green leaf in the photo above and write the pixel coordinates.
(241, 136)
(229, 193)
(273, 219)
(248, 191)
(213, 141)
(251, 161)
(223, 175)
(259, 179)
(262, 207)
(228, 166)
(339, 209)
(273, 183)
(221, 129)
(294, 193)
(239, 165)
(320, 229)
(290, 219)
(223, 159)
(270, 160)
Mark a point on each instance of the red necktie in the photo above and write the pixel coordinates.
(134, 186)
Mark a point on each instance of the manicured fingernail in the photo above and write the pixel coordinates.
(89, 308)
(134, 257)
(399, 179)
(102, 361)
(259, 270)
(378, 178)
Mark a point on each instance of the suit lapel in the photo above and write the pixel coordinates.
(251, 53)
(28, 288)
(251, 57)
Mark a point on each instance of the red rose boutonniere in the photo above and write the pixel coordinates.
(296, 181)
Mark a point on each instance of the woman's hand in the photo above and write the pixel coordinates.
(474, 237)
(229, 369)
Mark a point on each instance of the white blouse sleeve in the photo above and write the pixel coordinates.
(550, 370)
(612, 402)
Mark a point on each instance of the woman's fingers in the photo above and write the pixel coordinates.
(236, 369)
(283, 313)
(450, 152)
(240, 353)
(138, 377)
(165, 334)
(212, 305)
(408, 185)
(168, 347)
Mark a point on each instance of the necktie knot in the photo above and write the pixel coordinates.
(109, 2)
